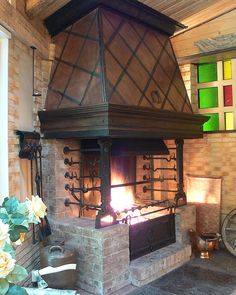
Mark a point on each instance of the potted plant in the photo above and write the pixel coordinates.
(15, 219)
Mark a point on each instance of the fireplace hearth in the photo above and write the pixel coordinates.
(104, 264)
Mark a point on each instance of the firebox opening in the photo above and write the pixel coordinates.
(127, 180)
(135, 182)
(123, 179)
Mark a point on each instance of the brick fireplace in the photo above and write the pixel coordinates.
(115, 118)
(104, 264)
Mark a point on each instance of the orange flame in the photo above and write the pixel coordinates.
(121, 197)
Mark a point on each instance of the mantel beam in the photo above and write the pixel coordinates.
(43, 7)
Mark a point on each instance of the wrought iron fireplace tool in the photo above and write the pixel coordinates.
(31, 149)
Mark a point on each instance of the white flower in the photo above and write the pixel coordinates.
(4, 235)
(37, 208)
(7, 264)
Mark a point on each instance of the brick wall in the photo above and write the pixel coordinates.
(213, 155)
(27, 253)
(189, 74)
(54, 180)
(16, 49)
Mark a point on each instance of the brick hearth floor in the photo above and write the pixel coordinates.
(216, 276)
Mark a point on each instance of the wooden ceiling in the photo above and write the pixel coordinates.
(190, 13)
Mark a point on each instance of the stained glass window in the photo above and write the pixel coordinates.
(227, 70)
(229, 121)
(213, 123)
(228, 95)
(207, 72)
(208, 97)
(217, 94)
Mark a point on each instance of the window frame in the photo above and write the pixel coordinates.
(4, 169)
(220, 83)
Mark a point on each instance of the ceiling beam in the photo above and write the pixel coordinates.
(17, 24)
(34, 7)
(185, 42)
(215, 10)
(38, 7)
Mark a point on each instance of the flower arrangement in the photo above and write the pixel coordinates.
(15, 219)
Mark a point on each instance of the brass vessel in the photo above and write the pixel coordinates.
(203, 243)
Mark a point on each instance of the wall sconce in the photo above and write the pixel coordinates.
(35, 91)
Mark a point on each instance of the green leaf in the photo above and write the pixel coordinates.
(17, 218)
(4, 215)
(11, 205)
(16, 290)
(23, 209)
(4, 201)
(3, 286)
(25, 223)
(18, 274)
(8, 248)
(15, 231)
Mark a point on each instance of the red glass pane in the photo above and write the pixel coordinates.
(228, 96)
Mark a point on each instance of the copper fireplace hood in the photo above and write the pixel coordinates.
(115, 74)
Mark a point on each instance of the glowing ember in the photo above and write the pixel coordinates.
(107, 219)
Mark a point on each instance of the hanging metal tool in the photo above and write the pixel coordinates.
(168, 159)
(31, 149)
(160, 178)
(70, 162)
(150, 167)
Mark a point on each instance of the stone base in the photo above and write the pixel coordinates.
(102, 254)
(156, 264)
(104, 265)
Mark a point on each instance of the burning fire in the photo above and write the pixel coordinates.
(122, 198)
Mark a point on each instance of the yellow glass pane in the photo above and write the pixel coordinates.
(229, 121)
(227, 69)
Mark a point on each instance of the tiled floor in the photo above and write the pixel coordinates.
(216, 276)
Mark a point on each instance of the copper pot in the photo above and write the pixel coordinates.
(204, 242)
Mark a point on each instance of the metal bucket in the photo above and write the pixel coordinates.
(57, 256)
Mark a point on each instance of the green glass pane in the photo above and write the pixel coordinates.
(208, 98)
(207, 73)
(212, 124)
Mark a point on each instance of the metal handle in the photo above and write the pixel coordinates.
(56, 248)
